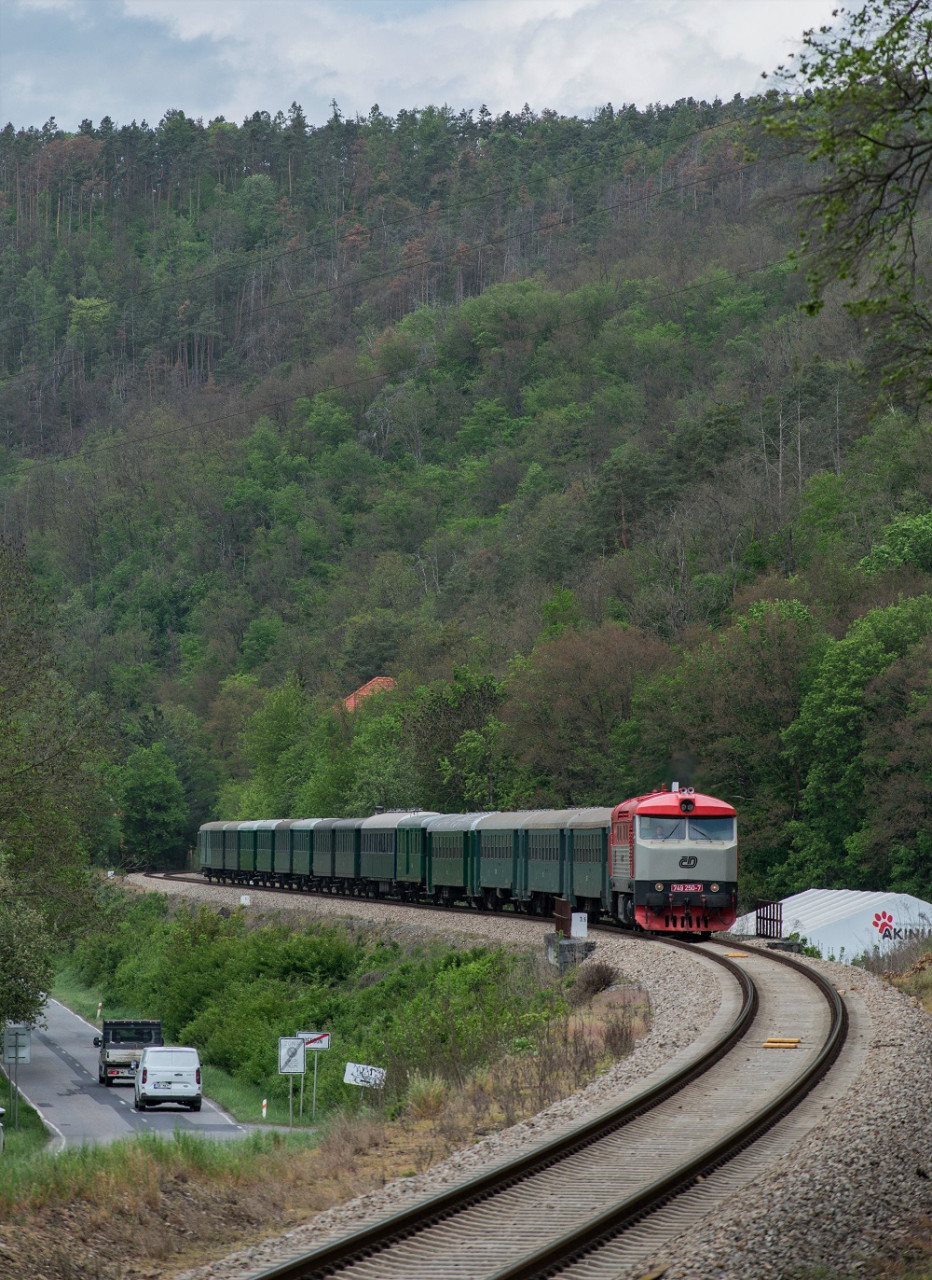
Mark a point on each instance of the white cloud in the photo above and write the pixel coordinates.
(232, 57)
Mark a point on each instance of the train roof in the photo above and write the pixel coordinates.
(421, 818)
(456, 821)
(505, 821)
(594, 816)
(393, 819)
(546, 819)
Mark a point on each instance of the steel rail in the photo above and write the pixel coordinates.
(557, 1254)
(549, 1259)
(373, 1239)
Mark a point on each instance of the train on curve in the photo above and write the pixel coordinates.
(666, 862)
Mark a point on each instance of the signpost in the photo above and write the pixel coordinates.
(316, 1041)
(291, 1063)
(16, 1049)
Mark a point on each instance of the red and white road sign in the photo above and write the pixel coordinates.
(315, 1039)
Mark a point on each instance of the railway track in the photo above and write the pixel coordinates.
(600, 1201)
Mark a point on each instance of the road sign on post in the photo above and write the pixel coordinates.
(291, 1055)
(16, 1049)
(16, 1043)
(315, 1041)
(291, 1063)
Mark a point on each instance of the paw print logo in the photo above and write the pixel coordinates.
(883, 923)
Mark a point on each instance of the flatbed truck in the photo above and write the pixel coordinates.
(121, 1043)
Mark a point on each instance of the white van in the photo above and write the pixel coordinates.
(168, 1073)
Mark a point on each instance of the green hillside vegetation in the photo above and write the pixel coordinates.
(422, 1010)
(524, 412)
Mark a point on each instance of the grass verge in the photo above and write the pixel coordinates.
(150, 1207)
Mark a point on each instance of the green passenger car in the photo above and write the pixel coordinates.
(301, 844)
(542, 848)
(320, 837)
(500, 877)
(378, 847)
(231, 851)
(452, 854)
(210, 849)
(346, 852)
(587, 838)
(413, 865)
(281, 852)
(246, 851)
(265, 849)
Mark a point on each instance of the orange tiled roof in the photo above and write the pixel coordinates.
(375, 685)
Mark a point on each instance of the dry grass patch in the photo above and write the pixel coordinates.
(170, 1206)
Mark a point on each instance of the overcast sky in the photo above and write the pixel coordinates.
(135, 59)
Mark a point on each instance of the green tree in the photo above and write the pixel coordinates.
(328, 779)
(566, 704)
(860, 110)
(717, 722)
(482, 770)
(274, 741)
(435, 721)
(26, 947)
(825, 742)
(907, 543)
(51, 790)
(892, 849)
(560, 613)
(381, 758)
(153, 809)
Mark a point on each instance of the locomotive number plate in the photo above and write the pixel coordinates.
(686, 888)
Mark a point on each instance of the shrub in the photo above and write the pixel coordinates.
(426, 1095)
(590, 979)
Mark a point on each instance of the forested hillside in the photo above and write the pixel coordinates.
(520, 411)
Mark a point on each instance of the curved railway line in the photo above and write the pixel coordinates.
(600, 1199)
(603, 1198)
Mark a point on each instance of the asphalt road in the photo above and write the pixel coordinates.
(60, 1081)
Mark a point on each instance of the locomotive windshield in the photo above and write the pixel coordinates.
(652, 827)
(711, 828)
(655, 828)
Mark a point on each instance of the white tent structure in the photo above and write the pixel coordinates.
(844, 924)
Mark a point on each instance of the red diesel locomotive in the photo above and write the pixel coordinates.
(673, 864)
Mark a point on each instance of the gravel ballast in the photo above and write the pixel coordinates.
(857, 1187)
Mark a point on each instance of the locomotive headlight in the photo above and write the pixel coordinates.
(714, 888)
(659, 886)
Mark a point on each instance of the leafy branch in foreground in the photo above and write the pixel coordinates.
(857, 101)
